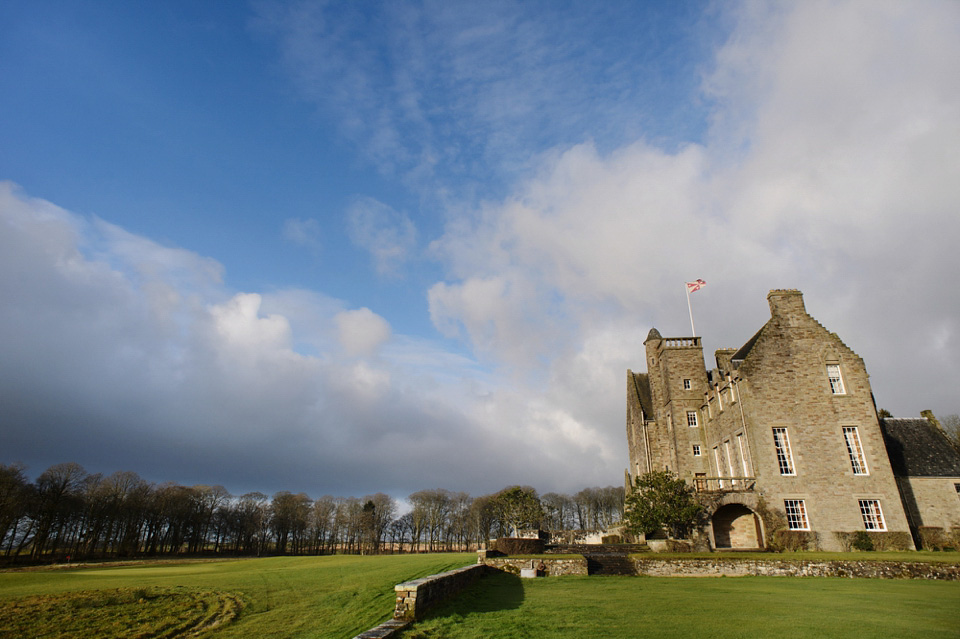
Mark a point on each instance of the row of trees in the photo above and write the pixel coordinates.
(69, 512)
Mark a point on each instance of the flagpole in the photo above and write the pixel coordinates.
(690, 308)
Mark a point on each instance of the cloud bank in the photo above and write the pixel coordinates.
(124, 353)
(828, 163)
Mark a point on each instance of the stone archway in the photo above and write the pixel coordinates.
(736, 526)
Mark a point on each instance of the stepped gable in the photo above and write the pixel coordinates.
(917, 448)
(783, 303)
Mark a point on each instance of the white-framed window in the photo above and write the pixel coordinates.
(696, 450)
(743, 454)
(687, 384)
(692, 419)
(857, 460)
(796, 514)
(726, 450)
(872, 514)
(716, 459)
(784, 455)
(836, 380)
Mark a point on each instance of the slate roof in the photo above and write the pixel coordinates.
(741, 354)
(917, 448)
(641, 381)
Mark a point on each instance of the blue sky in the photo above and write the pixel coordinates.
(350, 247)
(209, 125)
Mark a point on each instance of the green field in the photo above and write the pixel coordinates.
(505, 606)
(288, 597)
(340, 596)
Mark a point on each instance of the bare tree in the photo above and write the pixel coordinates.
(400, 530)
(483, 519)
(459, 521)
(15, 496)
(431, 509)
(252, 522)
(324, 510)
(585, 505)
(57, 503)
(289, 519)
(379, 511)
(558, 511)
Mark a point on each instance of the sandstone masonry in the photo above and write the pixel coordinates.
(745, 567)
(781, 440)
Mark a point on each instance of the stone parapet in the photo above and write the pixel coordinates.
(385, 630)
(774, 568)
(551, 567)
(415, 597)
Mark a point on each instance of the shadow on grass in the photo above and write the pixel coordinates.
(497, 591)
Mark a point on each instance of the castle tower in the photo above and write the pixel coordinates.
(664, 425)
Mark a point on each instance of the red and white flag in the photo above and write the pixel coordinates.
(695, 286)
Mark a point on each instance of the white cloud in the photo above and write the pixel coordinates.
(463, 93)
(283, 390)
(362, 332)
(388, 235)
(239, 324)
(303, 232)
(829, 168)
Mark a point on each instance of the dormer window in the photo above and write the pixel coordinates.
(836, 381)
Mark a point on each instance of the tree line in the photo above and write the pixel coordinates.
(70, 513)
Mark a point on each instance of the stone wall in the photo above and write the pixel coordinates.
(782, 382)
(938, 496)
(553, 567)
(743, 568)
(415, 597)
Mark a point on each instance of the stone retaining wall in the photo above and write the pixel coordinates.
(415, 597)
(741, 568)
(554, 567)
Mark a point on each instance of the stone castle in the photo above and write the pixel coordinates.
(783, 437)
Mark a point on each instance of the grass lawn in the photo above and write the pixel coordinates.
(505, 606)
(288, 597)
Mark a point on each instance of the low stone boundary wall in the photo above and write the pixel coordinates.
(385, 630)
(742, 568)
(553, 567)
(415, 597)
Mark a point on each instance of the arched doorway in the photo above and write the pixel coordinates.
(736, 526)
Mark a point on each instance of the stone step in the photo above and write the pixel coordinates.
(607, 565)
